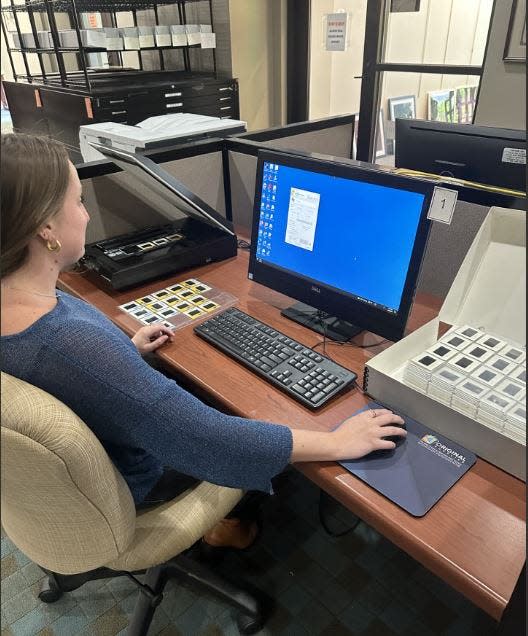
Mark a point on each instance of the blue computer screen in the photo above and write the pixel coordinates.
(354, 236)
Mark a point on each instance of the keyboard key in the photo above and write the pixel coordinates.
(317, 397)
(299, 389)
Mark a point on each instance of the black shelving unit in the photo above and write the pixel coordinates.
(62, 95)
(46, 10)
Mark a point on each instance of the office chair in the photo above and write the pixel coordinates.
(69, 510)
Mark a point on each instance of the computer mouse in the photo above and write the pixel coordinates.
(397, 439)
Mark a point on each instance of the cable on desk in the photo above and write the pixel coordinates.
(243, 245)
(359, 388)
(349, 344)
(80, 267)
(325, 498)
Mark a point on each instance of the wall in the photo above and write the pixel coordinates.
(502, 100)
(258, 53)
(443, 31)
(333, 87)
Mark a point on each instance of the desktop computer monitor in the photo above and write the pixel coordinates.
(345, 241)
(492, 156)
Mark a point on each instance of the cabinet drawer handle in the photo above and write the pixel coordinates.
(225, 108)
(226, 88)
(224, 99)
(119, 112)
(175, 105)
(116, 101)
(172, 94)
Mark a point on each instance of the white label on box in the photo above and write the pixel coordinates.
(514, 155)
(208, 40)
(442, 205)
(179, 39)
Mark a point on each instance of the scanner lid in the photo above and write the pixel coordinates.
(153, 177)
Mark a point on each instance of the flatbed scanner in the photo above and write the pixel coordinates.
(154, 133)
(197, 235)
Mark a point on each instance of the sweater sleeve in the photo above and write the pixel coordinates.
(102, 377)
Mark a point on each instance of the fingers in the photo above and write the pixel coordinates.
(392, 430)
(166, 331)
(388, 418)
(153, 331)
(377, 412)
(154, 344)
(384, 444)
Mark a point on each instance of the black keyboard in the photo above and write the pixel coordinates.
(305, 375)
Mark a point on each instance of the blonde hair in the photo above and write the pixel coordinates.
(34, 179)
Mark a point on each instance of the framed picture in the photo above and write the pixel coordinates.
(402, 107)
(380, 137)
(465, 100)
(441, 105)
(515, 48)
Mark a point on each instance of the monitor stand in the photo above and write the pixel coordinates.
(329, 326)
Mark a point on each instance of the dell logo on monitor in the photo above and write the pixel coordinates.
(315, 289)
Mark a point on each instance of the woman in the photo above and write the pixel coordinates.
(144, 420)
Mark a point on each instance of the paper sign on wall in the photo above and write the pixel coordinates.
(336, 31)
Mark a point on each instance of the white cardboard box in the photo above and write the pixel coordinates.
(130, 37)
(114, 41)
(179, 36)
(162, 35)
(489, 292)
(146, 37)
(89, 38)
(193, 34)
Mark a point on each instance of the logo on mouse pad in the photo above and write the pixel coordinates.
(429, 439)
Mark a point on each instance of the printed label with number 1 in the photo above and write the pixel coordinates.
(442, 205)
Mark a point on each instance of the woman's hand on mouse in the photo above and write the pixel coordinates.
(150, 337)
(356, 437)
(364, 432)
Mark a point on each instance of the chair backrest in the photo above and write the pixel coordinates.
(63, 502)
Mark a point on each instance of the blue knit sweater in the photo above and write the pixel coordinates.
(144, 420)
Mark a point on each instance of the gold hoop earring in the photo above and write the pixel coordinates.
(54, 248)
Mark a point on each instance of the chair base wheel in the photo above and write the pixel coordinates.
(250, 624)
(49, 591)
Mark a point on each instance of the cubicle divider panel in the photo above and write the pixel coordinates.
(203, 175)
(242, 177)
(335, 142)
(219, 171)
(447, 246)
(118, 204)
(332, 137)
(291, 130)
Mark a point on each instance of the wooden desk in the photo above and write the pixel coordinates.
(474, 538)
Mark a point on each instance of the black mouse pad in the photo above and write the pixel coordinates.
(418, 472)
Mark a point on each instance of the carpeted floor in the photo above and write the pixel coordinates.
(357, 584)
